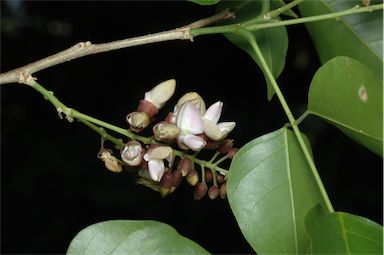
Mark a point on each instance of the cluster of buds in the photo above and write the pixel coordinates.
(190, 127)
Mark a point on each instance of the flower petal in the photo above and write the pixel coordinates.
(189, 119)
(226, 127)
(213, 113)
(193, 142)
(212, 130)
(156, 169)
(160, 94)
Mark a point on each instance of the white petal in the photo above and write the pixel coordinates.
(226, 127)
(160, 94)
(212, 130)
(213, 113)
(193, 142)
(189, 119)
(156, 169)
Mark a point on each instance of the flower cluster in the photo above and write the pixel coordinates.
(190, 127)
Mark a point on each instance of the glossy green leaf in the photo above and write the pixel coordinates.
(273, 42)
(270, 190)
(346, 93)
(131, 237)
(343, 233)
(357, 36)
(205, 2)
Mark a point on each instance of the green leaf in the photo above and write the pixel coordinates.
(357, 36)
(273, 42)
(270, 190)
(346, 93)
(343, 233)
(205, 2)
(131, 237)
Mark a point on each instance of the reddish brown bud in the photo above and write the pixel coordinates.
(220, 178)
(193, 177)
(226, 146)
(176, 179)
(232, 152)
(213, 192)
(166, 180)
(147, 107)
(171, 118)
(223, 190)
(208, 176)
(211, 145)
(185, 166)
(200, 191)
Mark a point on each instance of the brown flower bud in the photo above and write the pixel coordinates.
(200, 191)
(176, 179)
(138, 121)
(220, 178)
(208, 176)
(166, 184)
(111, 163)
(165, 132)
(147, 107)
(185, 166)
(223, 190)
(213, 192)
(225, 146)
(232, 152)
(192, 177)
(171, 118)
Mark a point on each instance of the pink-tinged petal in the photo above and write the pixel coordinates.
(226, 127)
(189, 119)
(193, 142)
(156, 169)
(213, 113)
(212, 130)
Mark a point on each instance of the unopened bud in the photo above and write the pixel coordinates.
(132, 153)
(193, 98)
(210, 144)
(176, 179)
(192, 177)
(213, 192)
(165, 132)
(208, 176)
(111, 163)
(185, 166)
(147, 107)
(223, 190)
(232, 152)
(160, 94)
(171, 118)
(200, 191)
(220, 178)
(138, 120)
(166, 184)
(225, 146)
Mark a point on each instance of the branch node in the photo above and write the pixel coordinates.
(25, 78)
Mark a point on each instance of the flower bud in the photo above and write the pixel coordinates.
(171, 118)
(165, 132)
(225, 146)
(223, 190)
(138, 120)
(111, 163)
(208, 176)
(185, 166)
(192, 177)
(232, 152)
(132, 153)
(166, 183)
(220, 178)
(213, 192)
(150, 109)
(193, 98)
(176, 179)
(160, 94)
(200, 191)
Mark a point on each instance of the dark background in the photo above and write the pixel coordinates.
(53, 185)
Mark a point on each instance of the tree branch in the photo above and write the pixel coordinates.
(82, 49)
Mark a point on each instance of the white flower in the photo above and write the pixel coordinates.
(216, 131)
(190, 123)
(160, 94)
(155, 159)
(132, 153)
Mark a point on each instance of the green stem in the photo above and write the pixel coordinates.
(302, 117)
(278, 11)
(251, 39)
(234, 28)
